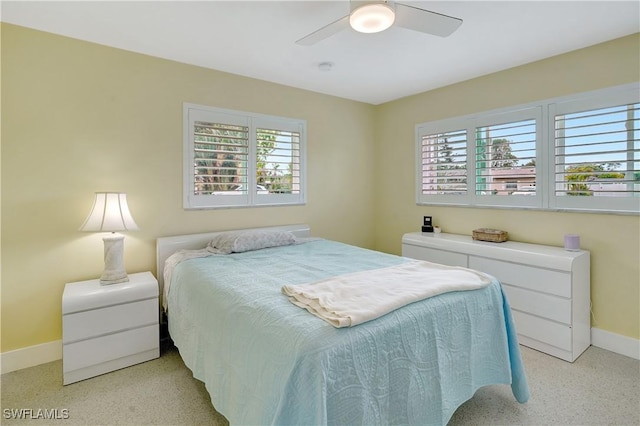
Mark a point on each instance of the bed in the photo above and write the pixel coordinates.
(265, 360)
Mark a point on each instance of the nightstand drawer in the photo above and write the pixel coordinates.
(83, 296)
(98, 322)
(106, 348)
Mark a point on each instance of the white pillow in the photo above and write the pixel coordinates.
(241, 241)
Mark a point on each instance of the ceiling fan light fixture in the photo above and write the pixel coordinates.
(372, 18)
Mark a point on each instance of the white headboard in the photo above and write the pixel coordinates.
(166, 246)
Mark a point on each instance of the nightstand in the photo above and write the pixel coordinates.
(108, 327)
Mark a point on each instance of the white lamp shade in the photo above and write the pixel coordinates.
(110, 213)
(372, 18)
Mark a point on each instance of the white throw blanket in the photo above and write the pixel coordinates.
(352, 299)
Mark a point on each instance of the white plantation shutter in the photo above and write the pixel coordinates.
(279, 171)
(444, 163)
(598, 152)
(221, 157)
(505, 156)
(596, 155)
(236, 159)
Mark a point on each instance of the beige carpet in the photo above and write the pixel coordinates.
(600, 388)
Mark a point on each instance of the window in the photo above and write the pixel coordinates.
(578, 153)
(237, 159)
(220, 156)
(495, 162)
(444, 163)
(597, 154)
(506, 148)
(505, 157)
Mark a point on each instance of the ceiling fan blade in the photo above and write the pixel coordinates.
(324, 32)
(425, 21)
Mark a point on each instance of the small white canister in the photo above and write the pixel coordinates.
(572, 242)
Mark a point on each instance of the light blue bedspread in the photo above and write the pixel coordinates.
(266, 361)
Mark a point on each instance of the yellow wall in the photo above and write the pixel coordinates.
(614, 240)
(79, 117)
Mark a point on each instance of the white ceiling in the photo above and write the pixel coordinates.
(257, 39)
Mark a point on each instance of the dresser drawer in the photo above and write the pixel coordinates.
(549, 332)
(433, 255)
(541, 280)
(543, 305)
(90, 352)
(111, 319)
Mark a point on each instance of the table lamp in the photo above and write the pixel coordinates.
(110, 213)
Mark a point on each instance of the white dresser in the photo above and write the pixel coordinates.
(108, 327)
(548, 287)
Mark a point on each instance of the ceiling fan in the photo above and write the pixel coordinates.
(376, 16)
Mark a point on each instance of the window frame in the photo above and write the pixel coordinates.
(544, 112)
(254, 121)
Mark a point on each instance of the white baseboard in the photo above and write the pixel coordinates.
(52, 351)
(617, 343)
(30, 356)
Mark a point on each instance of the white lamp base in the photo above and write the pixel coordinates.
(114, 271)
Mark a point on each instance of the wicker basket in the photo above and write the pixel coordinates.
(491, 235)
